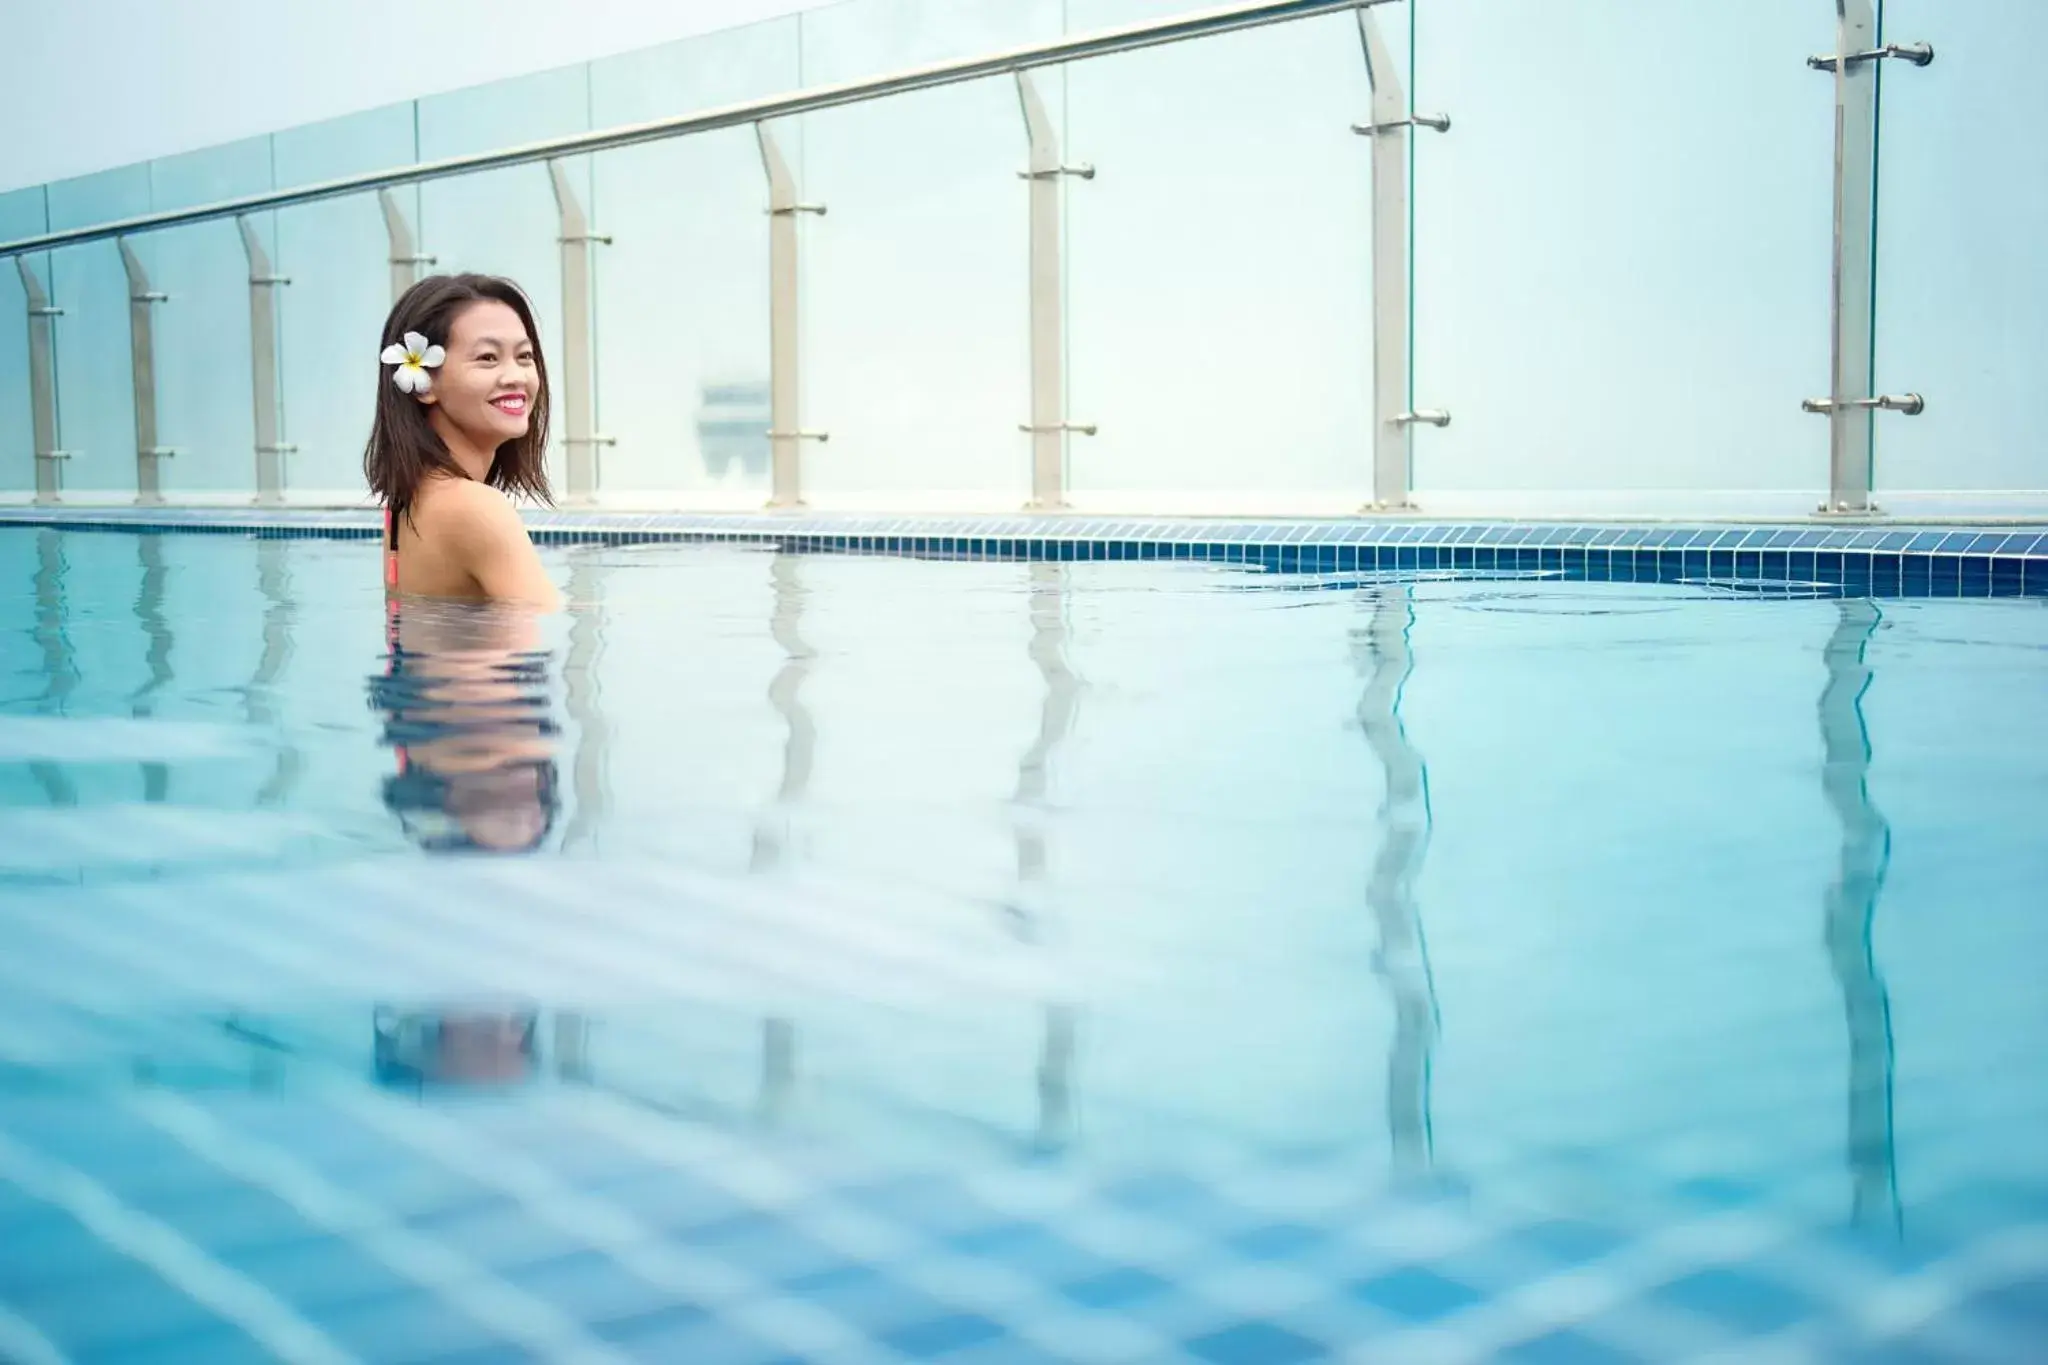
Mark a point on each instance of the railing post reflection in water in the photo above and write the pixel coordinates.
(1033, 918)
(1384, 657)
(772, 833)
(280, 611)
(52, 637)
(785, 694)
(580, 695)
(1851, 907)
(149, 614)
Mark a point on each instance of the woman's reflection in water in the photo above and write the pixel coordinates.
(467, 712)
(466, 706)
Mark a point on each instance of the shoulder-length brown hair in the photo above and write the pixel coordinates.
(404, 448)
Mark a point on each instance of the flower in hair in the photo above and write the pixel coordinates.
(413, 357)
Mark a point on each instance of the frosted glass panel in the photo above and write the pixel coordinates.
(95, 375)
(1962, 284)
(1622, 254)
(916, 305)
(916, 352)
(374, 140)
(205, 411)
(17, 422)
(337, 255)
(701, 73)
(94, 199)
(210, 175)
(506, 222)
(860, 39)
(21, 215)
(682, 290)
(204, 406)
(1219, 320)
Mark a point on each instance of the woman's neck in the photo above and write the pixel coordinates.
(473, 460)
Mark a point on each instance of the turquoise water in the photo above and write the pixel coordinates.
(729, 967)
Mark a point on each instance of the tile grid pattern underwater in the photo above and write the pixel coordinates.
(382, 1230)
(330, 1222)
(1886, 561)
(199, 1224)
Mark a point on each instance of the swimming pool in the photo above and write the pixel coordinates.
(811, 956)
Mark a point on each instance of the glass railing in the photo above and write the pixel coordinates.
(1585, 257)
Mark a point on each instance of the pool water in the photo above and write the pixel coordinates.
(813, 957)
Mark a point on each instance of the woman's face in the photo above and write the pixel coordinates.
(486, 386)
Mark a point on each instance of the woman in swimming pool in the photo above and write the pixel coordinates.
(462, 421)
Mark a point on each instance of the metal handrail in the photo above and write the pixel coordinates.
(1154, 33)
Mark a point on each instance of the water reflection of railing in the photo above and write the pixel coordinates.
(149, 614)
(1384, 656)
(581, 694)
(772, 831)
(1851, 907)
(1035, 920)
(280, 610)
(52, 635)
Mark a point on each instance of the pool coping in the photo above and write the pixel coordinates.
(1972, 560)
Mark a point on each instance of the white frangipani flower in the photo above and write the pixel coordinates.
(413, 357)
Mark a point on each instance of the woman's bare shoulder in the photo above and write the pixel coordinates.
(463, 509)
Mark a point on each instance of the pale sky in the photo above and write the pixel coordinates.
(90, 84)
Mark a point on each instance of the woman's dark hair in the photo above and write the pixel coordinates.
(404, 448)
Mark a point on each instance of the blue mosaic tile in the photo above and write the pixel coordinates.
(1416, 1294)
(47, 1247)
(1256, 1343)
(1748, 1301)
(1278, 1241)
(1123, 1288)
(1565, 1241)
(938, 1336)
(318, 1273)
(2023, 1304)
(1626, 553)
(869, 1299)
(77, 1313)
(592, 1287)
(1565, 1347)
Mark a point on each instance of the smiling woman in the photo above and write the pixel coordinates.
(462, 413)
